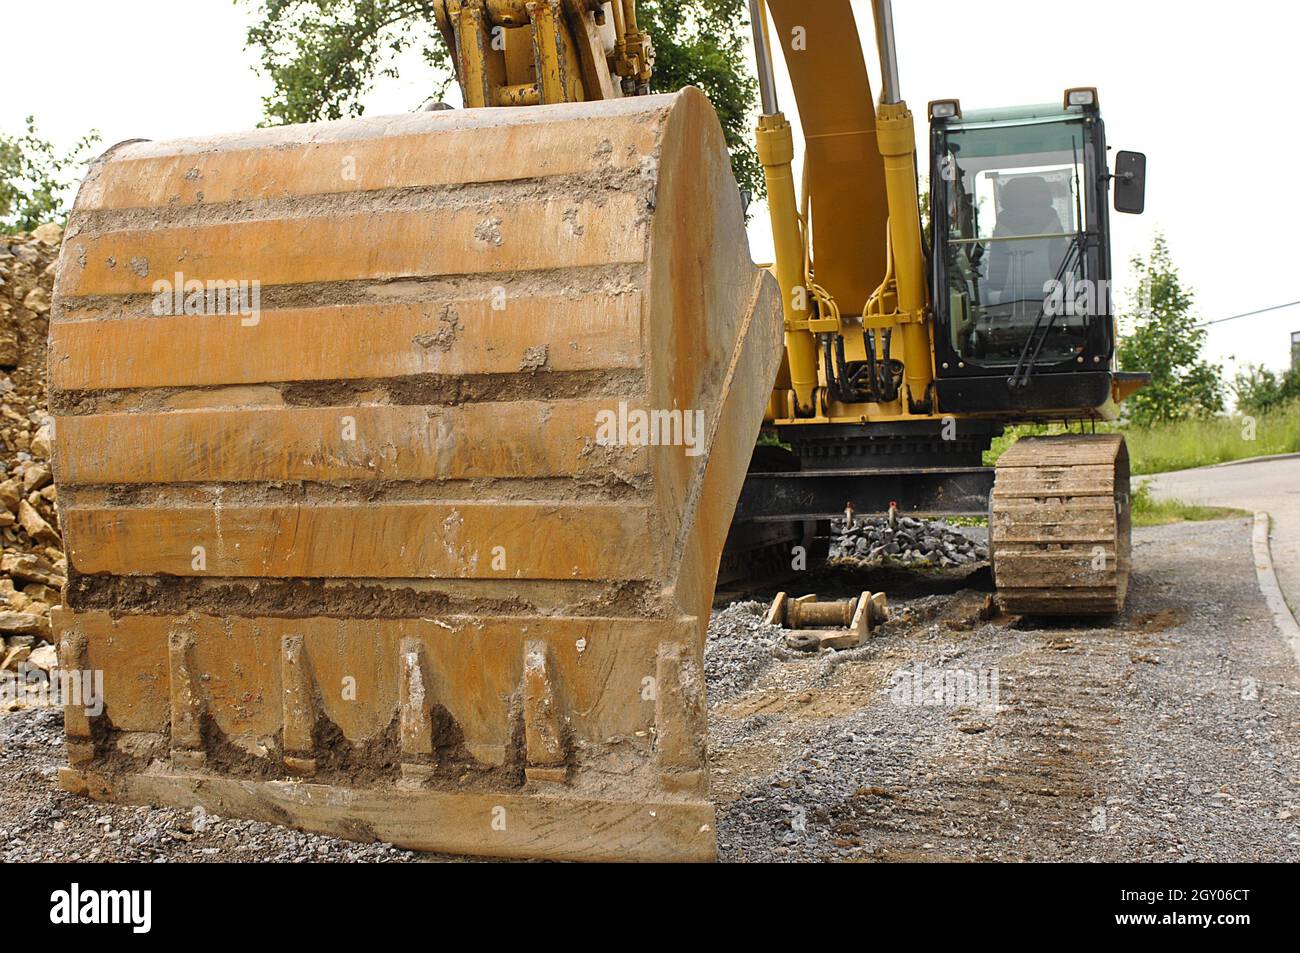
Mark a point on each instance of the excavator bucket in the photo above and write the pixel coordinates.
(395, 459)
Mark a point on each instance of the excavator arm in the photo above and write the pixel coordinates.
(533, 52)
(849, 254)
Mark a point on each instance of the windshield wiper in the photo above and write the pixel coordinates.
(1020, 377)
(1034, 343)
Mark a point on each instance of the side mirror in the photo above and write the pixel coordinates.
(1130, 182)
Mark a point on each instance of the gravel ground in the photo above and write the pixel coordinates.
(1171, 734)
(39, 822)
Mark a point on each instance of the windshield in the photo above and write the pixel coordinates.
(1012, 241)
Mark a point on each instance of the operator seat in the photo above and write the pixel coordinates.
(1019, 269)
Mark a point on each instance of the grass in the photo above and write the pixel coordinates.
(1148, 511)
(1184, 444)
(1180, 445)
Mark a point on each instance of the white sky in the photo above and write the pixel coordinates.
(1205, 90)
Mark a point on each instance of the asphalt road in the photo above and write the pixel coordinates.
(1270, 486)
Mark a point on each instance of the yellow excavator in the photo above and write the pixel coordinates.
(396, 456)
(905, 355)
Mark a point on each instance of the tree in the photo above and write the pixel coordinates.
(702, 43)
(1167, 341)
(1258, 390)
(35, 181)
(322, 56)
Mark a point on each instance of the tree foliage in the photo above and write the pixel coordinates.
(1258, 390)
(1166, 341)
(36, 182)
(702, 43)
(323, 56)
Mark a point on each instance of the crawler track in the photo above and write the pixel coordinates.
(1059, 525)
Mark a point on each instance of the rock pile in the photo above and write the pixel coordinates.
(903, 541)
(32, 564)
(739, 648)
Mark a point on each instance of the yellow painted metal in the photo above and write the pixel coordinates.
(517, 686)
(557, 66)
(775, 140)
(510, 13)
(897, 139)
(633, 54)
(860, 256)
(442, 516)
(846, 178)
(473, 66)
(526, 52)
(860, 259)
(522, 94)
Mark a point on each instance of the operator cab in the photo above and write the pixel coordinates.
(1020, 255)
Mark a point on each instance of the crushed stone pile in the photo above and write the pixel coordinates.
(903, 541)
(740, 646)
(32, 564)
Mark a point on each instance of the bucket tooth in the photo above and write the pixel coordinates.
(419, 756)
(73, 664)
(299, 708)
(187, 706)
(680, 720)
(544, 730)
